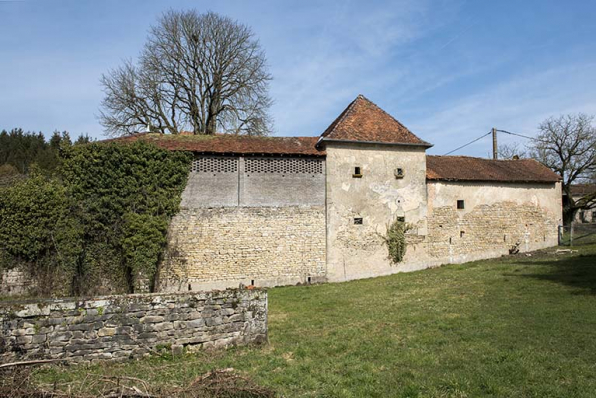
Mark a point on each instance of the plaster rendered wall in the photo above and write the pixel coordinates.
(496, 217)
(223, 247)
(357, 251)
(122, 327)
(226, 181)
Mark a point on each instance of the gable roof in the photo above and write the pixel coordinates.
(464, 168)
(364, 121)
(229, 144)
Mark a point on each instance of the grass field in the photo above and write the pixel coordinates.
(517, 327)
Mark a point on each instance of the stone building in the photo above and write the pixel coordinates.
(587, 214)
(271, 211)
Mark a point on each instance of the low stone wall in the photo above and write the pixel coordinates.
(121, 327)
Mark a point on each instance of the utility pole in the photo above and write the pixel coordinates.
(494, 130)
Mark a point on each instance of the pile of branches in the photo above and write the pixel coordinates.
(225, 383)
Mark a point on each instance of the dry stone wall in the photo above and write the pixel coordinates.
(264, 246)
(121, 327)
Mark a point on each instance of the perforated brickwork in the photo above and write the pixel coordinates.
(215, 164)
(284, 166)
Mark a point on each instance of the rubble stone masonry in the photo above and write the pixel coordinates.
(265, 246)
(121, 327)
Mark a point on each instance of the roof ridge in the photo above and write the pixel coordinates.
(342, 116)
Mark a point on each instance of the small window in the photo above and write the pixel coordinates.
(358, 221)
(461, 234)
(357, 172)
(399, 172)
(460, 204)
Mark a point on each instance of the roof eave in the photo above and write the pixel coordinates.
(487, 180)
(423, 144)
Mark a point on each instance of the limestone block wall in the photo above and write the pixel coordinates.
(121, 327)
(495, 217)
(359, 208)
(264, 246)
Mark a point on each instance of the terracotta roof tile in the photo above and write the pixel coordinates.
(582, 189)
(228, 144)
(362, 120)
(464, 168)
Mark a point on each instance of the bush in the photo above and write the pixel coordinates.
(395, 239)
(101, 227)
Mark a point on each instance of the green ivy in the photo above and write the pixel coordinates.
(100, 227)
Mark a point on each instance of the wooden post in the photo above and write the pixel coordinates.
(494, 130)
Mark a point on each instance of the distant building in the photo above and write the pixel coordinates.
(587, 214)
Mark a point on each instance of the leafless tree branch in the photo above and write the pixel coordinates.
(199, 72)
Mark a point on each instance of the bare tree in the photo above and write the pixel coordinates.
(511, 151)
(197, 72)
(567, 145)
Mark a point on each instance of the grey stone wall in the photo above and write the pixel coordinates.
(220, 181)
(121, 327)
(14, 282)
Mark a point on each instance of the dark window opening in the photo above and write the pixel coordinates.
(504, 238)
(450, 240)
(401, 219)
(252, 282)
(399, 173)
(357, 172)
(358, 221)
(460, 204)
(461, 234)
(309, 280)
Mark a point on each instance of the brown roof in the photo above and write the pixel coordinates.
(228, 144)
(582, 189)
(364, 121)
(463, 168)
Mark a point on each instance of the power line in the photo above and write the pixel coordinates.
(469, 143)
(519, 135)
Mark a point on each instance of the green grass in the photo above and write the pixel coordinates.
(516, 327)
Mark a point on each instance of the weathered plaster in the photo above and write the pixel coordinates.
(496, 217)
(378, 197)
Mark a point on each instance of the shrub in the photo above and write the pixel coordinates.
(395, 239)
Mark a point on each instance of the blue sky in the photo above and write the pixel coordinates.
(448, 69)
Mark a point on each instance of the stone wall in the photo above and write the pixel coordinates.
(253, 181)
(223, 247)
(495, 217)
(121, 327)
(376, 198)
(14, 282)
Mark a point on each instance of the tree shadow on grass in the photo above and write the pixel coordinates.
(577, 272)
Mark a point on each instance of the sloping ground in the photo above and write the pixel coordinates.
(518, 326)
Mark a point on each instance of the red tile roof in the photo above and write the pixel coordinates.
(582, 189)
(464, 168)
(230, 144)
(364, 121)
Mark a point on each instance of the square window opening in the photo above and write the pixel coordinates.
(358, 221)
(357, 172)
(460, 204)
